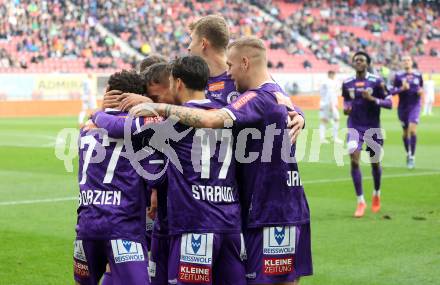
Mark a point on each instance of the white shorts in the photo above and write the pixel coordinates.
(327, 113)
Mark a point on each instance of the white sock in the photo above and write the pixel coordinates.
(361, 199)
(376, 193)
(322, 131)
(335, 129)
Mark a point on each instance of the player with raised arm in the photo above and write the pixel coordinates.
(203, 208)
(275, 210)
(112, 202)
(408, 84)
(157, 82)
(329, 107)
(364, 95)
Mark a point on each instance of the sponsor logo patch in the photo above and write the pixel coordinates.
(80, 269)
(194, 274)
(151, 268)
(126, 251)
(279, 240)
(150, 120)
(150, 224)
(360, 84)
(278, 266)
(241, 101)
(216, 86)
(78, 251)
(196, 248)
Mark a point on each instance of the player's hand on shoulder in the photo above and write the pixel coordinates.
(128, 100)
(111, 99)
(295, 124)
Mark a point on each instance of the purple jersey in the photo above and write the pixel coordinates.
(221, 90)
(271, 189)
(113, 197)
(410, 97)
(153, 164)
(365, 114)
(204, 198)
(198, 201)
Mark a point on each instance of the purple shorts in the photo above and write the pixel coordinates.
(278, 254)
(207, 259)
(128, 261)
(410, 114)
(373, 138)
(158, 264)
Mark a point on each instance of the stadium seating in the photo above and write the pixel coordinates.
(41, 38)
(341, 28)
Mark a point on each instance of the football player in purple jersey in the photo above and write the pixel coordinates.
(408, 84)
(203, 210)
(157, 83)
(275, 212)
(364, 95)
(209, 40)
(112, 201)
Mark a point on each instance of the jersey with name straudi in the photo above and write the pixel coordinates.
(113, 197)
(364, 114)
(221, 90)
(271, 191)
(408, 98)
(204, 196)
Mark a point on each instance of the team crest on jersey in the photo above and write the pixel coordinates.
(279, 240)
(241, 101)
(126, 251)
(196, 248)
(78, 251)
(232, 96)
(416, 81)
(216, 86)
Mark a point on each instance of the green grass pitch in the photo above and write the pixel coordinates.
(399, 245)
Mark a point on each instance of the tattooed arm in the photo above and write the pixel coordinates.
(192, 117)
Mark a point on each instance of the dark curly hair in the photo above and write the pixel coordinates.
(127, 81)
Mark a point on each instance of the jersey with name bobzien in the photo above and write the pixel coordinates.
(112, 198)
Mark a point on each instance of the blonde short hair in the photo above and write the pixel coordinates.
(214, 28)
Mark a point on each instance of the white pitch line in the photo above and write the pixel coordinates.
(22, 202)
(318, 181)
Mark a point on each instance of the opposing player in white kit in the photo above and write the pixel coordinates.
(329, 107)
(429, 96)
(88, 98)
